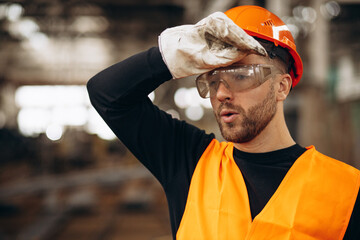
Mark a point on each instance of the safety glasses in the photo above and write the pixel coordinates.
(236, 78)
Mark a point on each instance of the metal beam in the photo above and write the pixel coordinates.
(100, 176)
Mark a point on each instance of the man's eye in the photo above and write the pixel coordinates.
(212, 83)
(241, 77)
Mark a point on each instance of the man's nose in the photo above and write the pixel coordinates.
(223, 91)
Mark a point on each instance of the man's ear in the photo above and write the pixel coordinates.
(284, 86)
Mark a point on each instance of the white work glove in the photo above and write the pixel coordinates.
(215, 41)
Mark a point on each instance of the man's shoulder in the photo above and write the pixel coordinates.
(330, 160)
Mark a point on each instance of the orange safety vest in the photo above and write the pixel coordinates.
(314, 201)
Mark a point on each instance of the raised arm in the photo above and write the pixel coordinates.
(164, 145)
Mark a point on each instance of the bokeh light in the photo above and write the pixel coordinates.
(46, 109)
(190, 100)
(330, 9)
(54, 132)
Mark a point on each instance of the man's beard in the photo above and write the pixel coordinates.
(251, 123)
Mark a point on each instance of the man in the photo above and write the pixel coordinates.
(259, 184)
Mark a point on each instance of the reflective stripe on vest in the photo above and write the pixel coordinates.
(314, 201)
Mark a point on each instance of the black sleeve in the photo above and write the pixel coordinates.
(353, 230)
(166, 146)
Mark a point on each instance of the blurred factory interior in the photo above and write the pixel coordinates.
(63, 175)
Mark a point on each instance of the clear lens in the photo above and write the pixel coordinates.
(236, 78)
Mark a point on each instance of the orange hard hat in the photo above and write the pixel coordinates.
(261, 23)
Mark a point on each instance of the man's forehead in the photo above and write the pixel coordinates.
(253, 59)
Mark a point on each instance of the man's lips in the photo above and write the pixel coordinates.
(228, 115)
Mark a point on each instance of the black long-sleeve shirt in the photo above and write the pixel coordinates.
(171, 148)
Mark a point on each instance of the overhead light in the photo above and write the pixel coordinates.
(38, 40)
(84, 24)
(330, 9)
(23, 28)
(14, 12)
(194, 113)
(54, 132)
(50, 109)
(189, 99)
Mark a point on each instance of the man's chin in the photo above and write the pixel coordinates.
(236, 136)
(237, 139)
